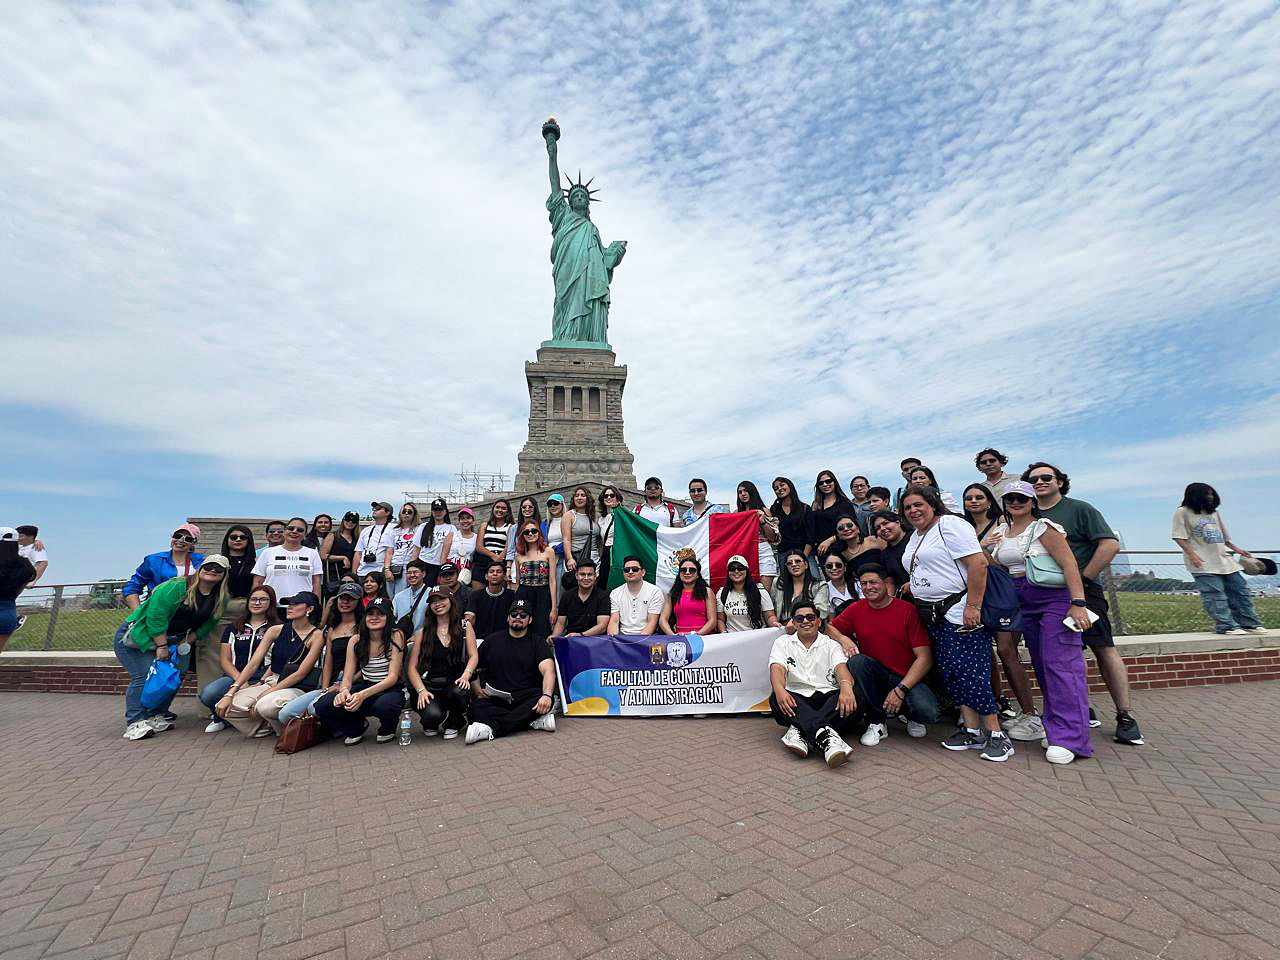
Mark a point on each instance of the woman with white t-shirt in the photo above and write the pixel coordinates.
(1203, 539)
(749, 498)
(948, 573)
(1055, 650)
(464, 544)
(741, 604)
(373, 544)
(840, 593)
(435, 540)
(404, 540)
(290, 568)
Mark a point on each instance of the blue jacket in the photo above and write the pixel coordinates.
(154, 570)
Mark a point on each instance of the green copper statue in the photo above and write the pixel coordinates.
(581, 265)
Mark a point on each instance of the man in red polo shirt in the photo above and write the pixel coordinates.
(890, 657)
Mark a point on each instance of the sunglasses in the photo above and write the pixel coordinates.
(1042, 478)
(236, 536)
(805, 617)
(1016, 498)
(184, 537)
(737, 568)
(531, 533)
(823, 482)
(274, 530)
(295, 529)
(519, 615)
(791, 560)
(632, 569)
(688, 569)
(697, 489)
(610, 495)
(844, 528)
(833, 566)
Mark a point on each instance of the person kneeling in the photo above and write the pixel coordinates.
(370, 680)
(520, 681)
(812, 688)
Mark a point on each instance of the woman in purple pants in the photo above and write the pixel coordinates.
(1025, 538)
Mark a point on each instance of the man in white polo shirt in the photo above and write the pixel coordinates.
(812, 687)
(635, 606)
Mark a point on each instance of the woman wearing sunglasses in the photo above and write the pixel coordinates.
(290, 568)
(741, 604)
(840, 593)
(535, 585)
(830, 505)
(180, 560)
(796, 581)
(238, 548)
(1021, 536)
(404, 535)
(610, 499)
(851, 546)
(749, 498)
(528, 511)
(690, 607)
(338, 551)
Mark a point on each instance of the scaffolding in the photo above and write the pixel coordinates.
(469, 486)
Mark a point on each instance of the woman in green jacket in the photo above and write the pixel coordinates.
(175, 614)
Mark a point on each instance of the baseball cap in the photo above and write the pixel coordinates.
(381, 503)
(378, 604)
(439, 504)
(1019, 486)
(306, 596)
(556, 498)
(350, 590)
(8, 533)
(438, 592)
(468, 511)
(520, 608)
(216, 560)
(738, 558)
(446, 568)
(190, 528)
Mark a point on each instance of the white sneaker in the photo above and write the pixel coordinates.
(1057, 754)
(449, 734)
(916, 730)
(794, 742)
(385, 737)
(1255, 629)
(545, 722)
(1027, 727)
(431, 732)
(1236, 632)
(139, 730)
(875, 732)
(836, 751)
(477, 732)
(352, 741)
(215, 726)
(159, 724)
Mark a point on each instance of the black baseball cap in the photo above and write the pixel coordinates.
(381, 604)
(520, 608)
(306, 596)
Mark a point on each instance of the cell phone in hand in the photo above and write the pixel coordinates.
(1071, 624)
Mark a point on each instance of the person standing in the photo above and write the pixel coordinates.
(610, 499)
(321, 527)
(748, 498)
(812, 689)
(338, 550)
(404, 547)
(578, 529)
(462, 553)
(238, 548)
(654, 508)
(992, 463)
(411, 600)
(374, 541)
(491, 542)
(905, 467)
(923, 476)
(553, 532)
(535, 585)
(16, 571)
(698, 505)
(859, 489)
(635, 605)
(1094, 544)
(828, 507)
(792, 515)
(291, 568)
(519, 681)
(435, 543)
(1203, 539)
(180, 560)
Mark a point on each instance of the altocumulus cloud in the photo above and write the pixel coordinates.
(971, 224)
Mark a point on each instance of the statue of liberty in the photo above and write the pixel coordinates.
(581, 265)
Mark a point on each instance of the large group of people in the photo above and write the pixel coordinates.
(907, 604)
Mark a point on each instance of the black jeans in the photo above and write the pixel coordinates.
(341, 722)
(448, 707)
(504, 718)
(872, 681)
(813, 712)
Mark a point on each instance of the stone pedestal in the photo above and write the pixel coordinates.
(575, 420)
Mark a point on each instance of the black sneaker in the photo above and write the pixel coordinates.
(1007, 711)
(998, 748)
(1093, 719)
(964, 739)
(1127, 730)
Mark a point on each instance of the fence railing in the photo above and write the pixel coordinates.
(1149, 592)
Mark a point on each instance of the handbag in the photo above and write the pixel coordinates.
(405, 623)
(569, 579)
(1000, 610)
(1042, 569)
(299, 734)
(163, 680)
(932, 611)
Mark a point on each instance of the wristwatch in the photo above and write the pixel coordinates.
(1077, 603)
(903, 688)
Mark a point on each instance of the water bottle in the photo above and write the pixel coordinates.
(406, 728)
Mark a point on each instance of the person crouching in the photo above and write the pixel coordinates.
(812, 687)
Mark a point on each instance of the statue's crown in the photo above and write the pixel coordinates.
(591, 194)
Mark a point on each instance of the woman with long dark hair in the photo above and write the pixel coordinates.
(528, 511)
(1203, 539)
(923, 476)
(436, 541)
(792, 515)
(610, 499)
(795, 581)
(851, 546)
(690, 606)
(748, 498)
(536, 584)
(840, 593)
(338, 551)
(491, 540)
(578, 529)
(370, 680)
(404, 547)
(321, 527)
(238, 548)
(741, 604)
(830, 504)
(240, 642)
(442, 659)
(981, 509)
(339, 626)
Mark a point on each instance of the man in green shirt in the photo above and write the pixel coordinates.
(1094, 544)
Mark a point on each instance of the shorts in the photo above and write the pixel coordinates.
(1098, 635)
(8, 617)
(767, 560)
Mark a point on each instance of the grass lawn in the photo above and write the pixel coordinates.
(83, 630)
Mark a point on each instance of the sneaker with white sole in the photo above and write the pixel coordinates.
(1006, 710)
(1027, 727)
(429, 731)
(477, 732)
(1255, 629)
(352, 741)
(965, 739)
(1235, 632)
(1056, 754)
(386, 737)
(215, 726)
(998, 748)
(1128, 731)
(794, 742)
(834, 750)
(1094, 722)
(450, 734)
(546, 722)
(159, 723)
(916, 730)
(139, 730)
(875, 732)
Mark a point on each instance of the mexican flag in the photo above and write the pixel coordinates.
(714, 539)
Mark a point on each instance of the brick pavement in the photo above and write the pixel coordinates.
(638, 839)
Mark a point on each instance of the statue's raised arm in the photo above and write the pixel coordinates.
(551, 133)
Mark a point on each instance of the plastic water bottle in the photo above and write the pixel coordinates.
(406, 728)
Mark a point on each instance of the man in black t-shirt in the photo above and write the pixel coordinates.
(583, 612)
(519, 681)
(487, 608)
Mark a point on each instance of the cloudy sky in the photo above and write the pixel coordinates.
(268, 258)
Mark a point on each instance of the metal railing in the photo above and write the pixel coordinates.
(1149, 591)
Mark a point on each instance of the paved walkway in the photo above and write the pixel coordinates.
(639, 839)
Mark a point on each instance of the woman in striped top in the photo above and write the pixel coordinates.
(370, 680)
(492, 540)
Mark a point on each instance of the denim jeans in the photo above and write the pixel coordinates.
(1226, 599)
(872, 681)
(137, 663)
(299, 706)
(214, 692)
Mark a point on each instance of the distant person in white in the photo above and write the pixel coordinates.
(290, 568)
(654, 508)
(374, 541)
(33, 550)
(635, 606)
